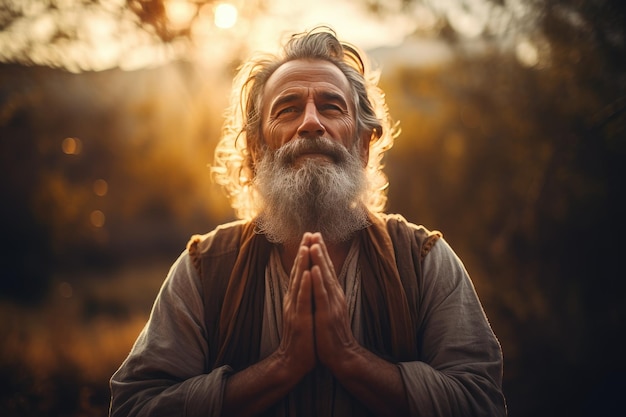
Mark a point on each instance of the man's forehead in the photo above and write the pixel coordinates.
(298, 76)
(323, 90)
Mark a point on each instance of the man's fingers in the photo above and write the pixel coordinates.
(304, 242)
(301, 264)
(304, 302)
(320, 257)
(321, 261)
(317, 238)
(320, 294)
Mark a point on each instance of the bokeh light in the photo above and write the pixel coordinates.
(71, 146)
(100, 187)
(179, 13)
(97, 218)
(527, 53)
(225, 15)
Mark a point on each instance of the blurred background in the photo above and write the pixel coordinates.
(513, 145)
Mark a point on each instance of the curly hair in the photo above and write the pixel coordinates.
(241, 139)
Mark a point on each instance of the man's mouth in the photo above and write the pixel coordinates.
(314, 155)
(314, 150)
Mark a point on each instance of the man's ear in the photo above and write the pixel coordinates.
(365, 139)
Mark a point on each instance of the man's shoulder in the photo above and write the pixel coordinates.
(400, 223)
(406, 234)
(225, 238)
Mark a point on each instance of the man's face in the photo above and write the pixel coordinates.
(306, 99)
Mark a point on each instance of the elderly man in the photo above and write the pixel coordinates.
(315, 303)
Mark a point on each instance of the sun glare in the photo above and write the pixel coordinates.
(225, 15)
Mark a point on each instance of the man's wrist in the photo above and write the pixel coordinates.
(346, 365)
(288, 369)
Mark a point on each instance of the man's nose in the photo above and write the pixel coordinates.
(311, 125)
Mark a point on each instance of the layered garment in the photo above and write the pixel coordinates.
(203, 328)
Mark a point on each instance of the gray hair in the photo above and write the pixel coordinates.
(241, 140)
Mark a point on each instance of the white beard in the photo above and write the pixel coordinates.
(314, 196)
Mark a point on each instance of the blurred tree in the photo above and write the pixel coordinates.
(81, 35)
(518, 150)
(76, 34)
(103, 166)
(24, 257)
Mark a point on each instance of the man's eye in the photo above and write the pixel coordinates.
(331, 107)
(286, 110)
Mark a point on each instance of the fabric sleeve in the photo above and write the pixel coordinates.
(164, 374)
(460, 367)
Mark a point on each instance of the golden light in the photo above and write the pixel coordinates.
(71, 146)
(100, 187)
(179, 13)
(97, 218)
(202, 25)
(467, 24)
(225, 15)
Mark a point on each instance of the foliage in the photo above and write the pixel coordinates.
(149, 145)
(519, 167)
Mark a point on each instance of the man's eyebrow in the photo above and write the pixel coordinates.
(284, 98)
(332, 96)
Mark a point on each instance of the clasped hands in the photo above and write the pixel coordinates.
(316, 332)
(316, 328)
